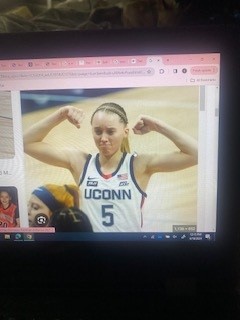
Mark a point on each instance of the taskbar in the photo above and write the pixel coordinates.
(100, 236)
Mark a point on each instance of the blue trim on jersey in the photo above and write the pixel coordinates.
(133, 176)
(85, 169)
(97, 163)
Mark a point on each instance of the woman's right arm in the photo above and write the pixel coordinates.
(34, 136)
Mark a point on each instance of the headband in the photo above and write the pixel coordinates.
(47, 198)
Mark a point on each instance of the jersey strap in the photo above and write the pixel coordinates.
(133, 176)
(85, 169)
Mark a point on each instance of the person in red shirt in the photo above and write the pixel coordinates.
(9, 215)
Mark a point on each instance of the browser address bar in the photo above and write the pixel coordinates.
(87, 73)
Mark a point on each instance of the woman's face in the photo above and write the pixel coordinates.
(108, 132)
(38, 213)
(5, 199)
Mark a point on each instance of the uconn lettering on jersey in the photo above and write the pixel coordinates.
(106, 194)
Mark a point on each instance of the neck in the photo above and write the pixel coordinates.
(109, 164)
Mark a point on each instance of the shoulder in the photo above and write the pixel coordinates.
(140, 161)
(77, 160)
(76, 155)
(141, 157)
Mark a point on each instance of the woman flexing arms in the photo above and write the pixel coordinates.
(113, 181)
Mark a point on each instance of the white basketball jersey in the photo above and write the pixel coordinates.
(112, 202)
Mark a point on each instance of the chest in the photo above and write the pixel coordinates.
(120, 178)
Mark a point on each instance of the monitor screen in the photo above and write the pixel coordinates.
(104, 144)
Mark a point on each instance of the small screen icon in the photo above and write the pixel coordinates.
(18, 236)
(29, 237)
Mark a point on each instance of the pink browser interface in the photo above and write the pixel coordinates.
(183, 89)
(193, 69)
(86, 62)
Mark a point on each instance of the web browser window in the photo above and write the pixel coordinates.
(180, 90)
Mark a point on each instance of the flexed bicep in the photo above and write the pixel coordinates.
(186, 154)
(33, 139)
(169, 162)
(49, 154)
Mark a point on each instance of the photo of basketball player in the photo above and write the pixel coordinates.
(9, 214)
(113, 181)
(6, 126)
(57, 206)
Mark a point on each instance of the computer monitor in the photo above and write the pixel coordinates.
(170, 200)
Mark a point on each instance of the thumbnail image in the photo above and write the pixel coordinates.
(9, 213)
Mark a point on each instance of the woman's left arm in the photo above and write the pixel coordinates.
(188, 147)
